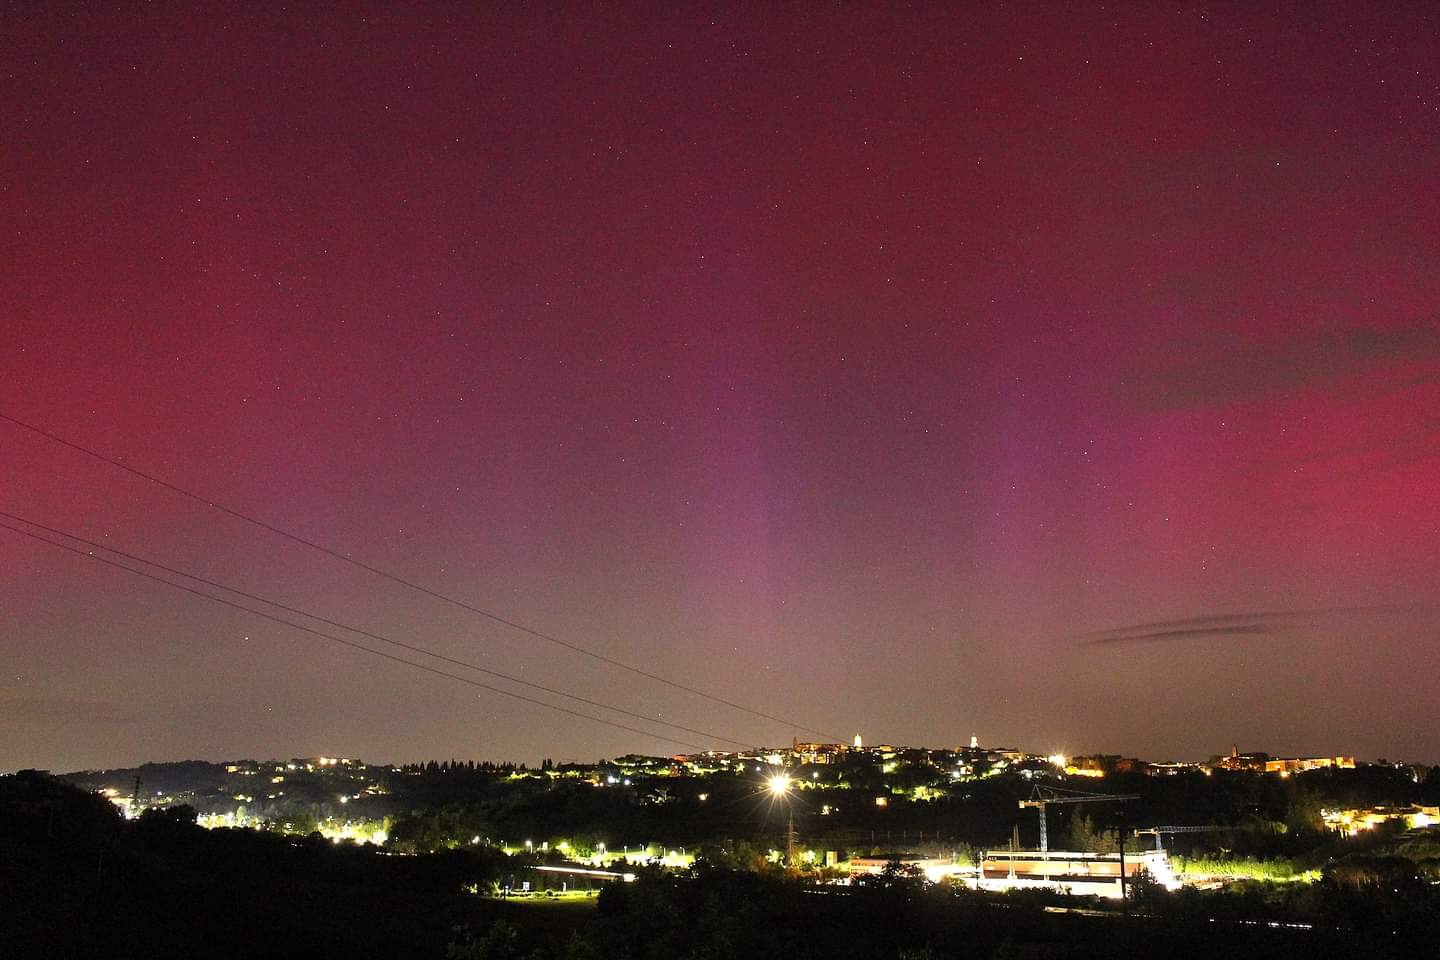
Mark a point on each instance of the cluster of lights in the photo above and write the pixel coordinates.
(1352, 822)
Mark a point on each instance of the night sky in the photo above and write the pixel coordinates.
(1064, 375)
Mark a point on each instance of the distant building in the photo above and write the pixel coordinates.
(1353, 821)
(818, 753)
(932, 868)
(1287, 766)
(1283, 766)
(1096, 874)
(1170, 768)
(1254, 762)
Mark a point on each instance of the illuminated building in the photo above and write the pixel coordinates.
(816, 752)
(1354, 821)
(1254, 762)
(1284, 766)
(1172, 768)
(1288, 766)
(934, 869)
(1093, 874)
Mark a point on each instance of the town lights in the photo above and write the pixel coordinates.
(779, 785)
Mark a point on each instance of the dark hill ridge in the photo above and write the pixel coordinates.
(77, 880)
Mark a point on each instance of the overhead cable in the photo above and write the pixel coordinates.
(349, 643)
(410, 584)
(365, 633)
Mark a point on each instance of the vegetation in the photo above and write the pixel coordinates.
(1248, 868)
(78, 880)
(446, 805)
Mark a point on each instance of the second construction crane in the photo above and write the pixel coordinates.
(1158, 832)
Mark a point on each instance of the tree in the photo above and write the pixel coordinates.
(181, 814)
(500, 942)
(169, 826)
(1303, 814)
(1144, 889)
(895, 877)
(1082, 837)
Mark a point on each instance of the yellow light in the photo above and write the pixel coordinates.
(779, 785)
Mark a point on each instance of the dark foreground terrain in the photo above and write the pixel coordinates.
(76, 880)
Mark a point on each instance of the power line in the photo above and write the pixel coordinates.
(366, 633)
(349, 643)
(394, 578)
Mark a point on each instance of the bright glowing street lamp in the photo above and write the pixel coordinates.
(779, 786)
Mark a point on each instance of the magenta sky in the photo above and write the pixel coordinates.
(1070, 378)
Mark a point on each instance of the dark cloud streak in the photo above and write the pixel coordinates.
(1233, 630)
(1236, 373)
(1265, 622)
(54, 711)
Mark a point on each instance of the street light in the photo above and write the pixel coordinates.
(779, 786)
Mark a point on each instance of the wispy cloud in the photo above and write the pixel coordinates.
(1223, 625)
(1229, 630)
(56, 712)
(1239, 372)
(1403, 446)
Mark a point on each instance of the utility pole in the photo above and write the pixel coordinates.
(1124, 901)
(779, 787)
(135, 798)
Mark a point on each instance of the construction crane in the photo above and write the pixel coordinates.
(1158, 832)
(1042, 796)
